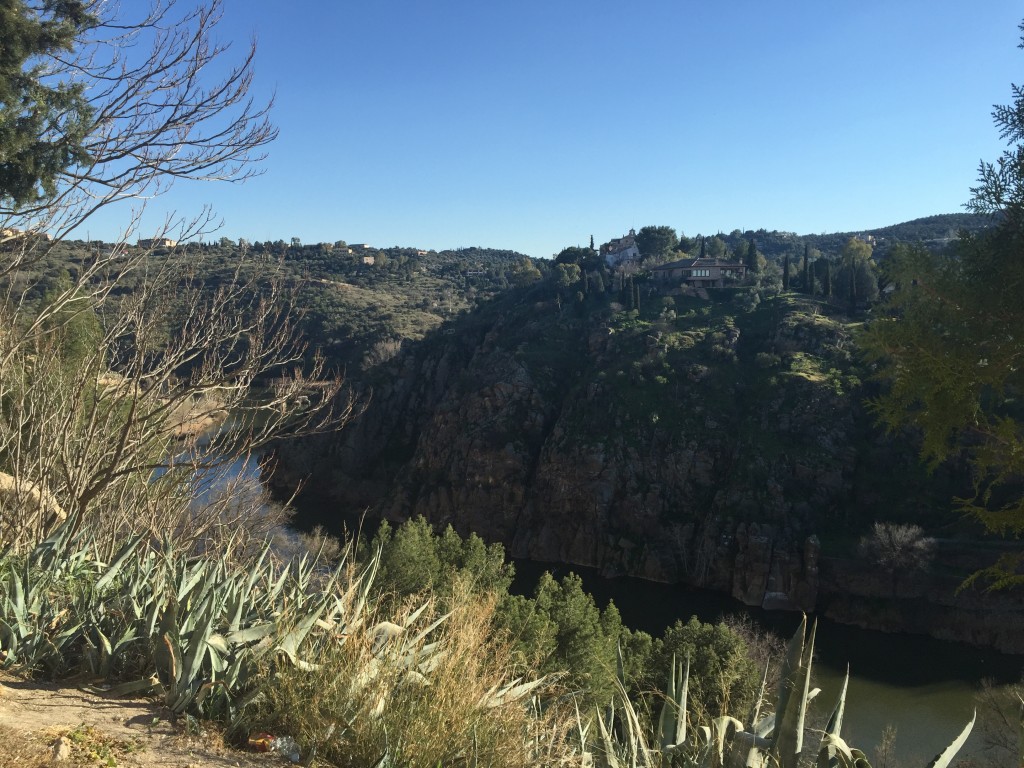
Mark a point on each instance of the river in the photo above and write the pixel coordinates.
(923, 687)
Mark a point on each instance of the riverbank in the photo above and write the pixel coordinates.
(924, 687)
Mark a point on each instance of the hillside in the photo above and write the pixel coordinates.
(704, 439)
(576, 435)
(354, 305)
(935, 232)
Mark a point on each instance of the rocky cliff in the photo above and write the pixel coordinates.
(693, 442)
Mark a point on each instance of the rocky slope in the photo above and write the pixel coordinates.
(697, 441)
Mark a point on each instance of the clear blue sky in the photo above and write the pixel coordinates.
(531, 125)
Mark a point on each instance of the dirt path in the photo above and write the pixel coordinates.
(40, 720)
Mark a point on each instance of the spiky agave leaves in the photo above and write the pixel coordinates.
(794, 694)
(52, 600)
(217, 623)
(671, 736)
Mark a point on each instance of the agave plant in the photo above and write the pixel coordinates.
(194, 626)
(774, 740)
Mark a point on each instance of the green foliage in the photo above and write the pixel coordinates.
(42, 122)
(947, 348)
(74, 328)
(857, 276)
(948, 345)
(413, 560)
(586, 258)
(626, 737)
(566, 275)
(653, 242)
(724, 677)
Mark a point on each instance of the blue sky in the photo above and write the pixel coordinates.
(532, 125)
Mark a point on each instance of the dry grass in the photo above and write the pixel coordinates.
(23, 750)
(366, 700)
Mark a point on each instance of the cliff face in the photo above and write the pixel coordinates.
(697, 449)
(701, 444)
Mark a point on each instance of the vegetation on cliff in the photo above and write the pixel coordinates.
(947, 342)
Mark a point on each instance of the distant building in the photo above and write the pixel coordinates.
(157, 242)
(622, 250)
(368, 260)
(11, 234)
(700, 273)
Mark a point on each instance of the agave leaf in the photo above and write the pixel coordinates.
(106, 651)
(944, 758)
(724, 728)
(117, 565)
(430, 628)
(134, 686)
(672, 722)
(834, 752)
(620, 664)
(665, 719)
(793, 697)
(748, 751)
(250, 634)
(197, 645)
(684, 692)
(835, 722)
(290, 642)
(610, 758)
(172, 670)
(514, 691)
(191, 581)
(755, 712)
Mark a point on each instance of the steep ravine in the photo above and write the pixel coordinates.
(708, 446)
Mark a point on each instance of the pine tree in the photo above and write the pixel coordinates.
(42, 122)
(949, 345)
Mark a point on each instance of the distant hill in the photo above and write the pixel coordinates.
(934, 232)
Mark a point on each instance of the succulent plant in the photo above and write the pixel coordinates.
(775, 740)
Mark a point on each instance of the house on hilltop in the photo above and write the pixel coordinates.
(620, 251)
(700, 273)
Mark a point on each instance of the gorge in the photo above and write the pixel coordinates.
(694, 439)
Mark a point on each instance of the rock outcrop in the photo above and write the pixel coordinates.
(708, 452)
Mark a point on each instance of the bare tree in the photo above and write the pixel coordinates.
(898, 547)
(177, 377)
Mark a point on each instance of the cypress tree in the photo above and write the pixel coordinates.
(752, 256)
(808, 281)
(827, 286)
(785, 273)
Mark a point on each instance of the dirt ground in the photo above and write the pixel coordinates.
(43, 724)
